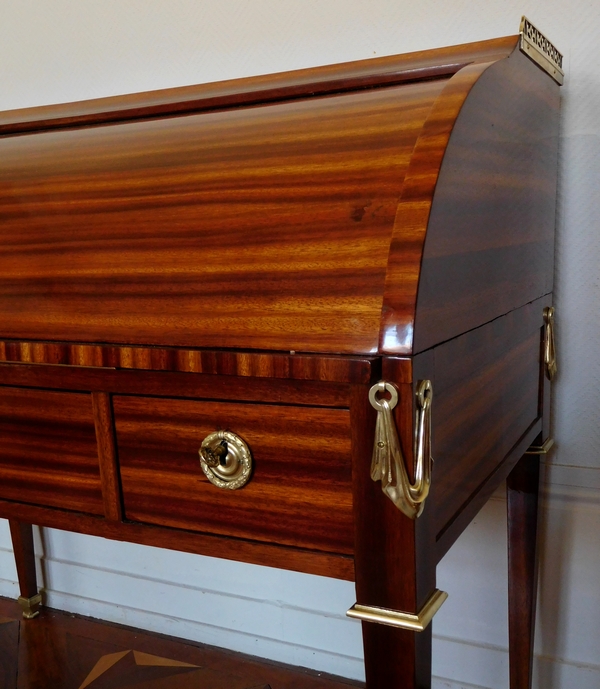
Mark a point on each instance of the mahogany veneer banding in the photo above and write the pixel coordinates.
(229, 363)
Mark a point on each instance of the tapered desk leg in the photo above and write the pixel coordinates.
(22, 540)
(393, 560)
(522, 503)
(395, 658)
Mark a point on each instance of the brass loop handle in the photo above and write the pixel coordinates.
(423, 459)
(226, 460)
(549, 346)
(380, 388)
(387, 464)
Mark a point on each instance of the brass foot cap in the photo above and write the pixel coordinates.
(31, 606)
(543, 449)
(402, 620)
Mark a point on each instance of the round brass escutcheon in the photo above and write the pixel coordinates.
(225, 460)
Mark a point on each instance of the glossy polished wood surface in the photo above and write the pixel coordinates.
(22, 541)
(107, 456)
(252, 256)
(410, 227)
(241, 550)
(214, 362)
(487, 385)
(48, 451)
(62, 651)
(269, 226)
(301, 392)
(474, 233)
(522, 495)
(326, 80)
(393, 557)
(490, 236)
(263, 227)
(300, 490)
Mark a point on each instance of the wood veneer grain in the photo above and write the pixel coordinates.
(21, 535)
(486, 398)
(213, 362)
(473, 237)
(490, 238)
(241, 550)
(48, 453)
(263, 228)
(107, 456)
(74, 644)
(286, 85)
(300, 490)
(393, 554)
(484, 492)
(389, 207)
(296, 392)
(414, 207)
(522, 495)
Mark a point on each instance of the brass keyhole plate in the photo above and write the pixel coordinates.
(226, 460)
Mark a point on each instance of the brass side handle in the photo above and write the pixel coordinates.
(549, 345)
(226, 460)
(387, 464)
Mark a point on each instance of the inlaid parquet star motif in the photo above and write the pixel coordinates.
(149, 669)
(59, 650)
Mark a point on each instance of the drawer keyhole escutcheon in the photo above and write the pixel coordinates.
(226, 460)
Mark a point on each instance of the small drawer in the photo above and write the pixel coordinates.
(48, 450)
(300, 491)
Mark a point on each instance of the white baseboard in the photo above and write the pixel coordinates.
(299, 619)
(441, 683)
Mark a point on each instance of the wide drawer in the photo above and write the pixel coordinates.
(300, 491)
(48, 450)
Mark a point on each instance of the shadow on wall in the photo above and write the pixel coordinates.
(555, 546)
(576, 395)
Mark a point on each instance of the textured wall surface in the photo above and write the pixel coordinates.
(68, 50)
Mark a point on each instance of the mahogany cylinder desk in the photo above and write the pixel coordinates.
(301, 320)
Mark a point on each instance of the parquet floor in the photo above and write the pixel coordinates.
(58, 650)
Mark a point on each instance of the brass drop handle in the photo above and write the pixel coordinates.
(387, 464)
(226, 460)
(549, 346)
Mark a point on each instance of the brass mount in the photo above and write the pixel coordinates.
(542, 449)
(30, 606)
(414, 622)
(226, 460)
(387, 464)
(539, 49)
(549, 345)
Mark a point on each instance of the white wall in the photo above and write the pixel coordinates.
(69, 50)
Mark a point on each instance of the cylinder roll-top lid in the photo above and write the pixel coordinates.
(282, 213)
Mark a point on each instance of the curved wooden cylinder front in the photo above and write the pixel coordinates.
(276, 220)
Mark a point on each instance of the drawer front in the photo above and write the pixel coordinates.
(300, 492)
(48, 450)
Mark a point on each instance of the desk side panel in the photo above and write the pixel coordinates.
(486, 401)
(490, 240)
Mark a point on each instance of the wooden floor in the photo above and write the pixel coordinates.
(62, 651)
